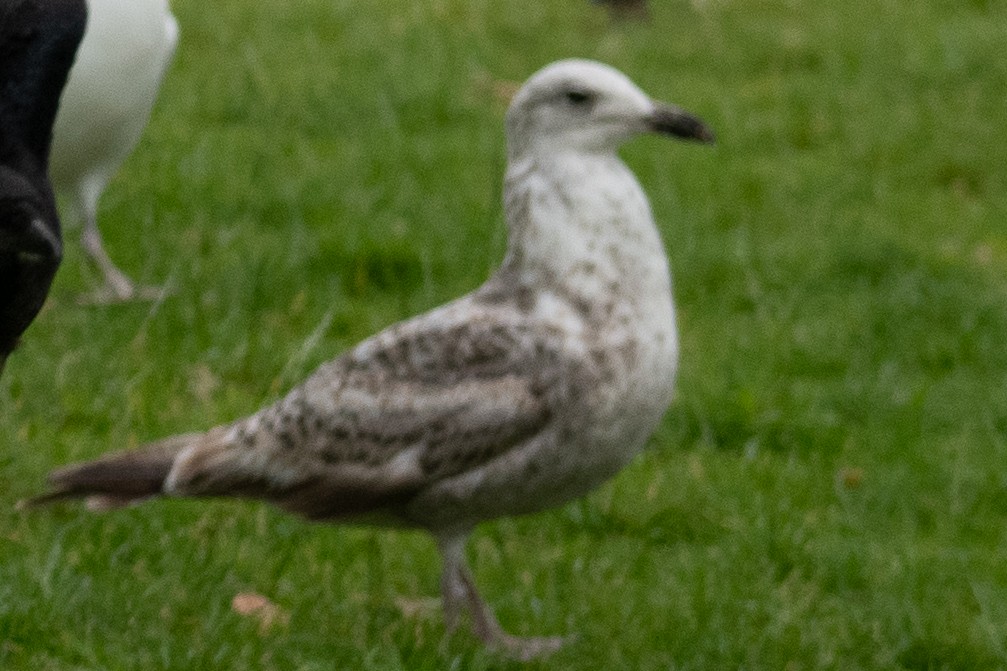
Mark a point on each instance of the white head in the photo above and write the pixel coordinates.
(584, 105)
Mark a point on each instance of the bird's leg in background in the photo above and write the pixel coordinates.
(117, 285)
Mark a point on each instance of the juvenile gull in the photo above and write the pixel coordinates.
(530, 391)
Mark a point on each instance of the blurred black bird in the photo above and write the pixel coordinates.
(38, 40)
(627, 9)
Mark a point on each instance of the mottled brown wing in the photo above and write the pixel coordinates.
(426, 399)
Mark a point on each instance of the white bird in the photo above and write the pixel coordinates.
(127, 47)
(528, 392)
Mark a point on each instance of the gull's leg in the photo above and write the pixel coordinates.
(459, 591)
(117, 285)
(453, 589)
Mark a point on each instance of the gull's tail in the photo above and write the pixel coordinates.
(116, 479)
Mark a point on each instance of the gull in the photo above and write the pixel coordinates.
(530, 391)
(38, 39)
(113, 85)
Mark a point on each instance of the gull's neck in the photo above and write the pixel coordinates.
(580, 220)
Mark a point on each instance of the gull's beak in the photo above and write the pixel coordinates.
(671, 120)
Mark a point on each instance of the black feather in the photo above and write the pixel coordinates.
(38, 41)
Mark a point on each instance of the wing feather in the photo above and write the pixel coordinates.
(432, 397)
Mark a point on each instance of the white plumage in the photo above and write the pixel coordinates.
(127, 47)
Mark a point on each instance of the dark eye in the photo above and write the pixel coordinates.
(578, 98)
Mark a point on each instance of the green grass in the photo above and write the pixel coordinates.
(829, 490)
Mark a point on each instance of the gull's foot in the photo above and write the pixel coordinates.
(124, 292)
(459, 593)
(527, 649)
(520, 648)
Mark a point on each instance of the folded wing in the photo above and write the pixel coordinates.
(428, 399)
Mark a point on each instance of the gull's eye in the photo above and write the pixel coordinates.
(578, 98)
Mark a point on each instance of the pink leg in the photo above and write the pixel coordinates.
(459, 591)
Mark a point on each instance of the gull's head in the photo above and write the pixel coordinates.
(583, 105)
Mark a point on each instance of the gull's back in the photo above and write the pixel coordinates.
(108, 98)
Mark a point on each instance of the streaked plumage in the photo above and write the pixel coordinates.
(526, 393)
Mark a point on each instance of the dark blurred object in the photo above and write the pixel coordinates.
(627, 9)
(38, 40)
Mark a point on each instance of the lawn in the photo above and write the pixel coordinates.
(829, 490)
